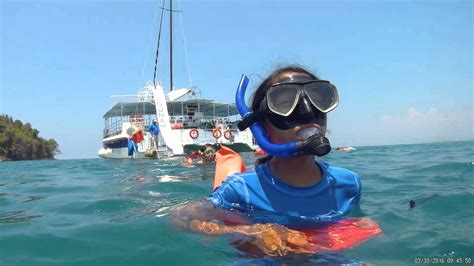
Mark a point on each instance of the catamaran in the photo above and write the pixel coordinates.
(185, 120)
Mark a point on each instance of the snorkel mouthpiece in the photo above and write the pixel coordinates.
(308, 132)
(315, 142)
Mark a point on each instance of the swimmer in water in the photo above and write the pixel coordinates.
(288, 117)
(209, 153)
(205, 154)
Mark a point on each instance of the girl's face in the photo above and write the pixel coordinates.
(282, 136)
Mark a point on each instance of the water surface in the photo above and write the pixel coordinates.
(116, 212)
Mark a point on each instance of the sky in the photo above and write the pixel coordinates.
(403, 68)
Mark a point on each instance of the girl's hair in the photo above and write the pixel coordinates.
(261, 91)
(273, 78)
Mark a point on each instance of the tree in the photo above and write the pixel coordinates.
(20, 141)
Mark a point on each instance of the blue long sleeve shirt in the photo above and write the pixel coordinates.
(266, 199)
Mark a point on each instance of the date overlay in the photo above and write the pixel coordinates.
(442, 260)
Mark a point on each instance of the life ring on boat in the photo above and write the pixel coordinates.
(227, 134)
(217, 133)
(194, 133)
(176, 126)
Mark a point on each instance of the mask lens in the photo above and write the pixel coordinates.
(323, 95)
(282, 99)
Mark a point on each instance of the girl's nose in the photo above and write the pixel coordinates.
(304, 108)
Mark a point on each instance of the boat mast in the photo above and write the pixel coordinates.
(171, 45)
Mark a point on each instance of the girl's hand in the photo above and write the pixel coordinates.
(277, 240)
(211, 228)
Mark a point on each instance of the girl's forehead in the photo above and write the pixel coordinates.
(288, 74)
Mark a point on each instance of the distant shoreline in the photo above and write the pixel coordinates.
(334, 147)
(20, 141)
(402, 144)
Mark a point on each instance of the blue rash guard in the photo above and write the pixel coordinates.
(266, 199)
(154, 129)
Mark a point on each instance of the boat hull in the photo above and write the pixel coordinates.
(118, 153)
(237, 147)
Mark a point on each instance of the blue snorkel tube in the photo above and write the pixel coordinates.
(289, 149)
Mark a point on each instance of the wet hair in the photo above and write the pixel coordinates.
(261, 91)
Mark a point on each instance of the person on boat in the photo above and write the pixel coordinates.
(155, 131)
(289, 187)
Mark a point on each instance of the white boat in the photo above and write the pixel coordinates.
(185, 125)
(185, 121)
(345, 149)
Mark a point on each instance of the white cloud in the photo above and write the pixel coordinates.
(431, 125)
(414, 119)
(412, 126)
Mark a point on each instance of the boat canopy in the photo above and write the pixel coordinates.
(175, 108)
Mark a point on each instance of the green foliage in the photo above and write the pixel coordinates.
(20, 141)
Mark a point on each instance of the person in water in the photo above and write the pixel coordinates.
(195, 156)
(205, 154)
(288, 190)
(209, 153)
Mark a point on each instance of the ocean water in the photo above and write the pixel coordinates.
(116, 212)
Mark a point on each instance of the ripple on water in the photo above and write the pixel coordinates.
(116, 212)
(18, 216)
(33, 198)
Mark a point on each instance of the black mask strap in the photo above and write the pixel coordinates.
(253, 117)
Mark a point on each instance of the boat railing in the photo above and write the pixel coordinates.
(207, 135)
(131, 98)
(115, 128)
(176, 121)
(112, 129)
(206, 122)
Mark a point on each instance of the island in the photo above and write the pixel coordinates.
(20, 141)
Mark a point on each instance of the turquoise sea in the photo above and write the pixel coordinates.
(116, 212)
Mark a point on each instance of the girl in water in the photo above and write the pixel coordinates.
(288, 190)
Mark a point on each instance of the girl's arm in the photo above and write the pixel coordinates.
(202, 216)
(272, 239)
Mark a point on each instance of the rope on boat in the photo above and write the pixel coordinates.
(158, 45)
(149, 43)
(185, 47)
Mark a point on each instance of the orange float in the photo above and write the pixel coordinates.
(227, 163)
(176, 126)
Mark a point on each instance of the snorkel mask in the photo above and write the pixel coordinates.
(297, 100)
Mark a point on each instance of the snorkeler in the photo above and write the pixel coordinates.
(209, 153)
(205, 154)
(195, 156)
(288, 119)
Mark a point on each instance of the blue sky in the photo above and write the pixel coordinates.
(403, 68)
